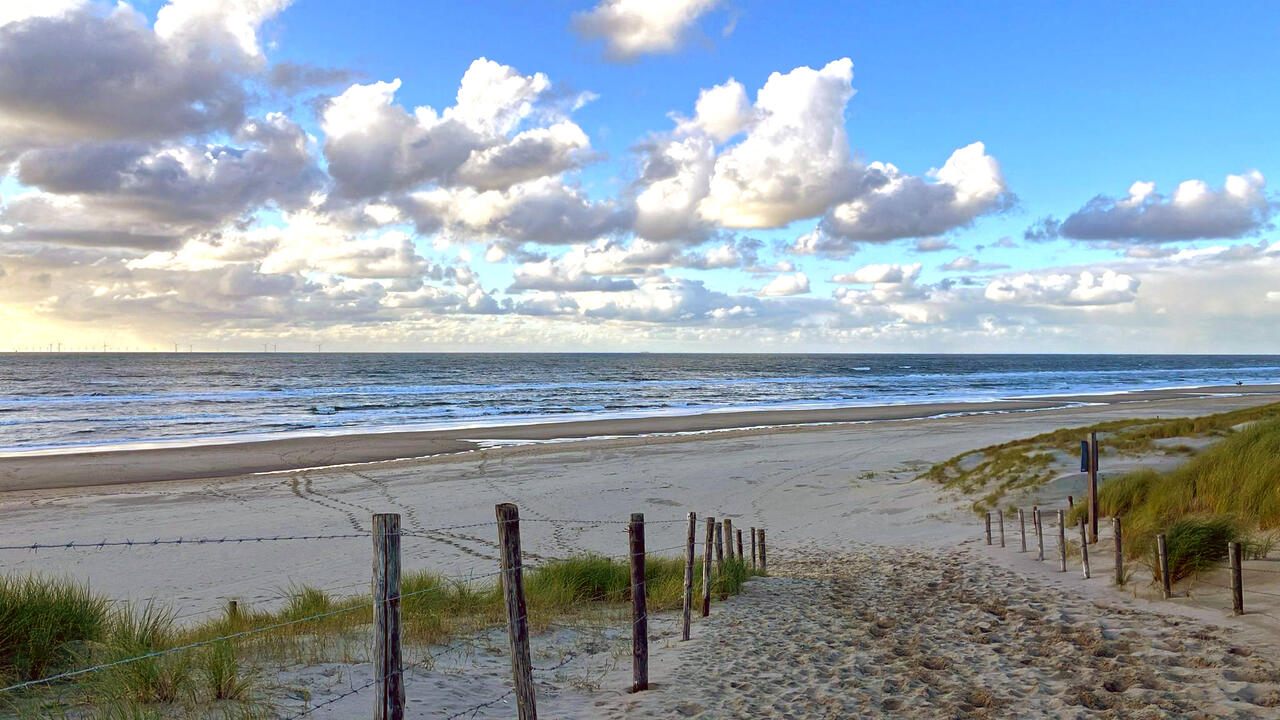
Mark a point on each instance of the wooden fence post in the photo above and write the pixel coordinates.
(639, 609)
(1039, 522)
(1071, 503)
(1162, 557)
(1022, 528)
(1115, 531)
(753, 548)
(1093, 487)
(1084, 550)
(1237, 579)
(764, 557)
(706, 566)
(988, 527)
(1000, 516)
(1062, 540)
(387, 671)
(739, 552)
(517, 620)
(688, 575)
(728, 537)
(719, 547)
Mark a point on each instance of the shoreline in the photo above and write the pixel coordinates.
(211, 460)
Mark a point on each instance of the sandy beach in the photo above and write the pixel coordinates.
(227, 456)
(883, 600)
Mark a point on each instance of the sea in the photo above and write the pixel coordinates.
(60, 402)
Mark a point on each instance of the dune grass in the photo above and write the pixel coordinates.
(48, 626)
(1229, 492)
(992, 472)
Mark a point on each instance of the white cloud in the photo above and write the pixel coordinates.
(786, 284)
(217, 24)
(887, 273)
(1194, 211)
(722, 111)
(1084, 288)
(794, 161)
(631, 28)
(375, 146)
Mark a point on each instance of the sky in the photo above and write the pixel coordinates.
(654, 175)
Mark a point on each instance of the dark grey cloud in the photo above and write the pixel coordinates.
(103, 74)
(179, 187)
(1193, 212)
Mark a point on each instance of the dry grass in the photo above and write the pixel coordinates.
(993, 472)
(48, 626)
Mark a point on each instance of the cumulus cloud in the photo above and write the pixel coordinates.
(1194, 211)
(896, 205)
(631, 28)
(1084, 288)
(95, 73)
(375, 146)
(786, 284)
(721, 111)
(269, 161)
(541, 211)
(794, 161)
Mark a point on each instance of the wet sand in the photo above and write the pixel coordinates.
(228, 459)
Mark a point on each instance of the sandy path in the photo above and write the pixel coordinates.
(893, 633)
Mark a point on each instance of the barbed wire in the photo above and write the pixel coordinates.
(80, 545)
(334, 700)
(127, 543)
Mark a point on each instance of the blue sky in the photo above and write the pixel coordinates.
(1069, 102)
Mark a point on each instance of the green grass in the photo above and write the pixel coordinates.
(45, 623)
(47, 626)
(1231, 491)
(993, 472)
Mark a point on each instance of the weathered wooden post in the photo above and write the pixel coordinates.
(1237, 579)
(706, 566)
(1115, 530)
(728, 537)
(988, 527)
(719, 548)
(1000, 517)
(639, 609)
(753, 548)
(1084, 550)
(1062, 540)
(517, 621)
(387, 672)
(1022, 528)
(1039, 523)
(738, 554)
(1162, 557)
(764, 556)
(233, 609)
(688, 575)
(1093, 487)
(1071, 503)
